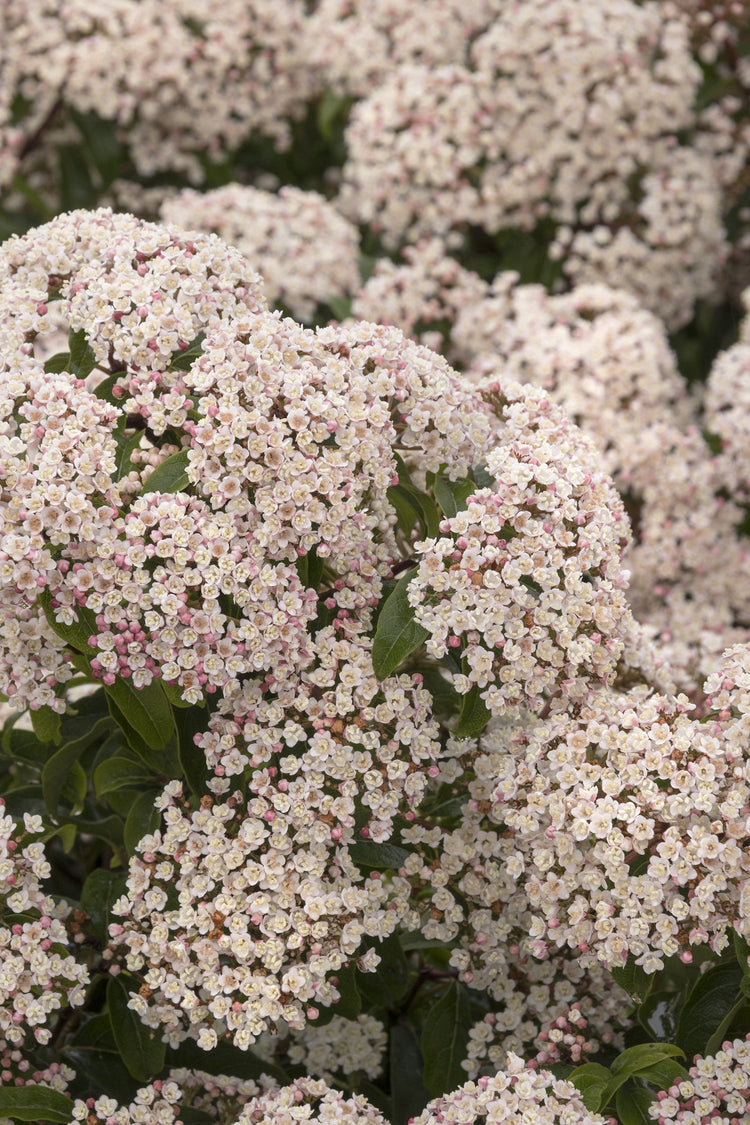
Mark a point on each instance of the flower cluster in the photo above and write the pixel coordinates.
(234, 925)
(306, 251)
(38, 975)
(309, 1099)
(526, 581)
(717, 1090)
(155, 1104)
(516, 1092)
(341, 1047)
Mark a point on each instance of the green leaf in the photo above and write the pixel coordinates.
(423, 505)
(46, 724)
(146, 709)
(634, 980)
(452, 495)
(190, 722)
(378, 857)
(407, 512)
(82, 358)
(141, 1051)
(109, 828)
(658, 1014)
(331, 107)
(223, 1059)
(310, 569)
(100, 891)
(76, 188)
(592, 1080)
(397, 634)
(184, 360)
(712, 998)
(126, 447)
(386, 987)
(120, 773)
(445, 1038)
(632, 1106)
(101, 143)
(474, 715)
(57, 363)
(408, 1094)
(170, 475)
(341, 307)
(35, 1103)
(644, 1055)
(350, 1004)
(76, 635)
(58, 768)
(663, 1074)
(142, 820)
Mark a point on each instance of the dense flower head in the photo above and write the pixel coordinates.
(221, 1096)
(717, 1090)
(517, 1093)
(357, 43)
(726, 403)
(306, 251)
(341, 1047)
(526, 580)
(335, 740)
(423, 296)
(38, 973)
(628, 828)
(233, 923)
(597, 352)
(158, 1103)
(309, 1099)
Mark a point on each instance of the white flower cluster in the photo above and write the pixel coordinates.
(306, 251)
(716, 1091)
(309, 1099)
(38, 976)
(516, 1093)
(234, 925)
(525, 582)
(182, 85)
(154, 1104)
(598, 353)
(341, 1047)
(563, 116)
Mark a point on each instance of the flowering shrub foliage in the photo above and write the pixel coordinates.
(375, 690)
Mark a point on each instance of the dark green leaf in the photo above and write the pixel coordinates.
(408, 1094)
(46, 724)
(407, 512)
(310, 569)
(223, 1059)
(101, 143)
(444, 1041)
(711, 999)
(60, 765)
(76, 188)
(109, 828)
(76, 635)
(393, 978)
(378, 857)
(143, 819)
(119, 773)
(190, 722)
(331, 107)
(663, 1074)
(632, 1106)
(170, 475)
(474, 715)
(592, 1080)
(341, 307)
(184, 360)
(634, 980)
(57, 363)
(397, 634)
(452, 495)
(82, 358)
(35, 1103)
(350, 1004)
(658, 1014)
(100, 891)
(147, 710)
(140, 1049)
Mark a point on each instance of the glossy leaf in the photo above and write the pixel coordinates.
(473, 716)
(77, 634)
(444, 1040)
(146, 709)
(644, 1055)
(100, 891)
(378, 857)
(119, 773)
(171, 475)
(711, 999)
(57, 769)
(408, 1095)
(634, 980)
(397, 634)
(46, 724)
(393, 978)
(592, 1080)
(632, 1105)
(184, 360)
(35, 1103)
(140, 1049)
(142, 820)
(452, 495)
(190, 722)
(82, 358)
(350, 1004)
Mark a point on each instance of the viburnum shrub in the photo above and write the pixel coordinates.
(357, 774)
